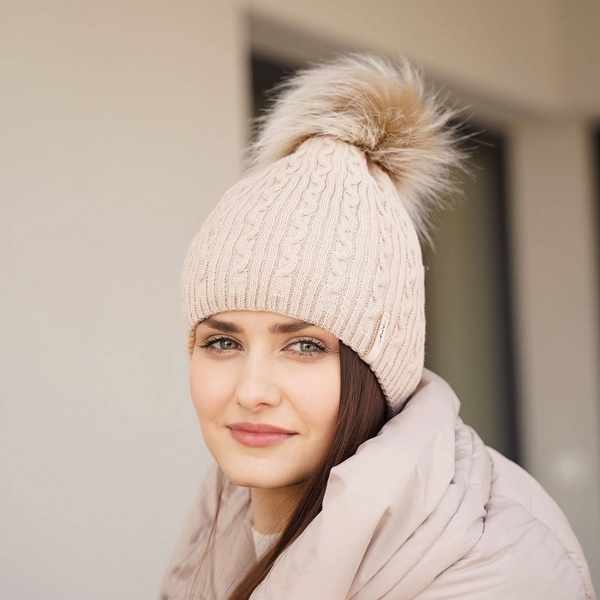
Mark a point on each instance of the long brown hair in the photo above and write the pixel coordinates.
(361, 415)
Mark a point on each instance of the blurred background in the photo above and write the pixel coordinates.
(122, 125)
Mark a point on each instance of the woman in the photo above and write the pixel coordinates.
(342, 467)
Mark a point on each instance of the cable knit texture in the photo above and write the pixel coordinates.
(325, 228)
(319, 236)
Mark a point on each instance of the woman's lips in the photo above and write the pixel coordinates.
(258, 435)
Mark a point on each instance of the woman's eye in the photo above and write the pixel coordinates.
(227, 344)
(220, 345)
(308, 348)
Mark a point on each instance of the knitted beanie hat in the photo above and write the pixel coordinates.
(325, 225)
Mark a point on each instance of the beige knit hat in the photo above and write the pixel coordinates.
(325, 226)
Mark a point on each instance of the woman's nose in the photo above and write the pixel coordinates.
(256, 386)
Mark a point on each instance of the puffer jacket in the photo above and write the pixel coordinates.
(422, 511)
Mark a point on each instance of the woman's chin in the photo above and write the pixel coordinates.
(261, 480)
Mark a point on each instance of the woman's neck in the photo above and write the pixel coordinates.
(273, 507)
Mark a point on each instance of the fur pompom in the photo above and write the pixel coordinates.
(378, 106)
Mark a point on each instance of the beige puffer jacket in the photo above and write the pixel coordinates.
(424, 510)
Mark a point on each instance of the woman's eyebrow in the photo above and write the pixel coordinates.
(277, 328)
(289, 327)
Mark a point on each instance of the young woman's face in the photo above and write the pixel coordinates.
(254, 370)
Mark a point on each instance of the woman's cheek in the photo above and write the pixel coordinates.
(322, 410)
(208, 392)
